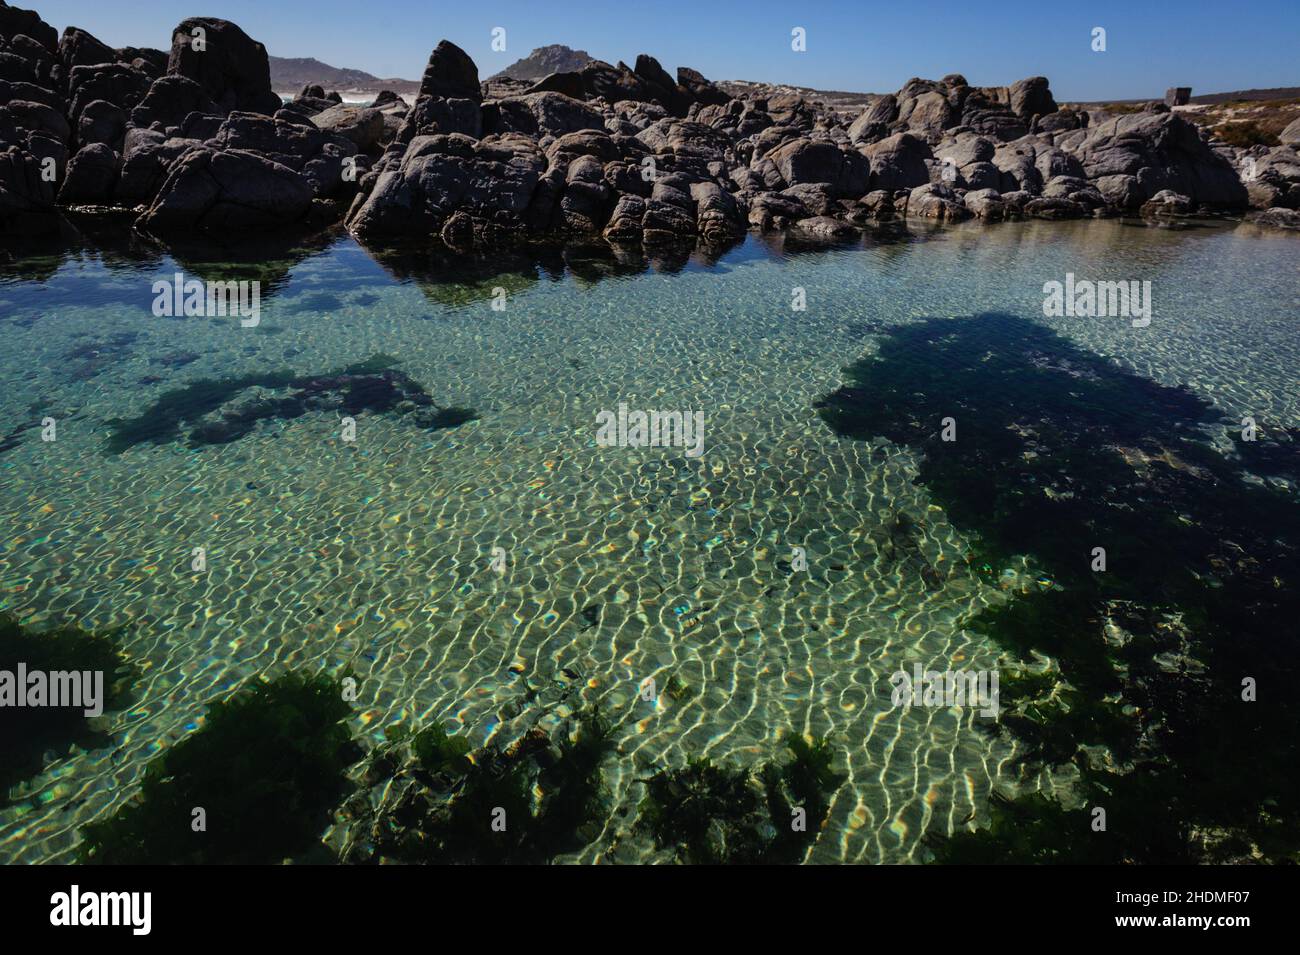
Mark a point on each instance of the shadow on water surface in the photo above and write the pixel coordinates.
(1057, 452)
(447, 278)
(218, 411)
(107, 241)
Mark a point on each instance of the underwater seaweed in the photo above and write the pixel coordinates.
(27, 734)
(369, 385)
(1060, 451)
(712, 815)
(522, 804)
(267, 768)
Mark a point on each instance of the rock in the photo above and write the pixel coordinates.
(437, 114)
(801, 161)
(1163, 151)
(825, 227)
(1167, 204)
(587, 200)
(1031, 97)
(625, 221)
(227, 192)
(717, 216)
(674, 190)
(1074, 189)
(388, 99)
(312, 100)
(38, 116)
(986, 204)
(169, 100)
(775, 211)
(874, 118)
(1054, 208)
(539, 114)
(1061, 121)
(1120, 192)
(685, 140)
(791, 109)
(458, 232)
(1275, 174)
(229, 66)
(898, 162)
(664, 222)
(450, 74)
(568, 83)
(1000, 124)
(79, 48)
(26, 198)
(17, 22)
(42, 146)
(90, 176)
(15, 90)
(1291, 135)
(146, 156)
(583, 142)
(285, 139)
(613, 83)
(1279, 219)
(965, 149)
(663, 90)
(151, 62)
(936, 201)
(924, 106)
(116, 83)
(493, 179)
(359, 124)
(700, 89)
(629, 152)
(102, 122)
(817, 197)
(878, 204)
(1015, 161)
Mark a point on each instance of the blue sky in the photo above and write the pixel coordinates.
(865, 45)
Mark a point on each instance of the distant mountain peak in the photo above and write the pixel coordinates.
(545, 60)
(290, 74)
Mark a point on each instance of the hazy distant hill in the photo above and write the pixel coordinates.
(290, 74)
(545, 60)
(1211, 99)
(1250, 96)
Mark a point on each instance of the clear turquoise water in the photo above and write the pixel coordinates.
(377, 554)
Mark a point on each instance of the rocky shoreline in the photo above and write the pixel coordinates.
(194, 142)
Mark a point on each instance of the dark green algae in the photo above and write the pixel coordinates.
(1059, 451)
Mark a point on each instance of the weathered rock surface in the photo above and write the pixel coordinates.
(229, 66)
(1162, 151)
(195, 139)
(362, 126)
(224, 192)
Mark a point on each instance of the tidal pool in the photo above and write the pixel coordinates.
(454, 563)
